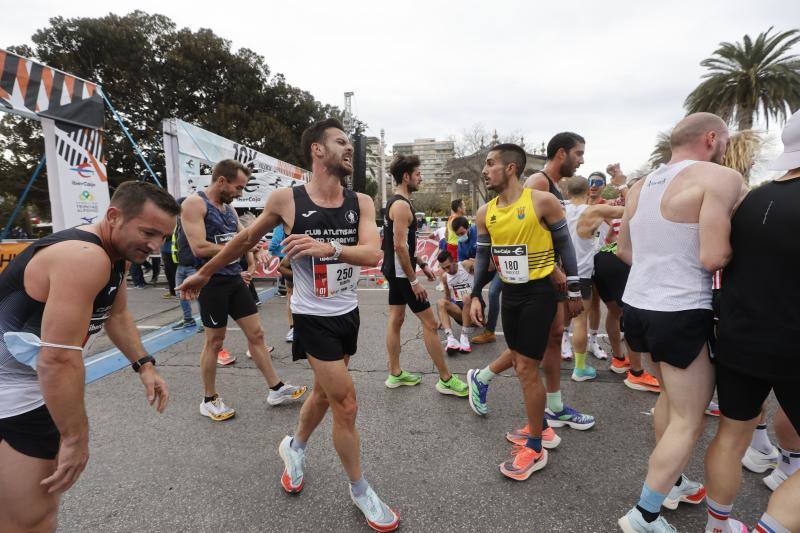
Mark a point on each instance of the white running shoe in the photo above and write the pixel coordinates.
(734, 526)
(380, 516)
(465, 347)
(290, 335)
(596, 350)
(453, 346)
(217, 410)
(292, 477)
(688, 491)
(634, 522)
(566, 347)
(759, 462)
(287, 392)
(774, 480)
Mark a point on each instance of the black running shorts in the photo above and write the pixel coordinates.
(327, 338)
(401, 293)
(610, 276)
(527, 311)
(741, 395)
(223, 296)
(672, 337)
(33, 433)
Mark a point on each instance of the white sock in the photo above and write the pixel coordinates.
(464, 338)
(760, 440)
(789, 462)
(448, 332)
(717, 516)
(592, 335)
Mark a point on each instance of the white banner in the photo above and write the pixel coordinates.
(187, 148)
(76, 174)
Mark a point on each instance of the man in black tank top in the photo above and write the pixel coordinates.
(405, 289)
(62, 289)
(209, 221)
(338, 236)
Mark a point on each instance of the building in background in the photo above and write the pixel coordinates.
(374, 163)
(434, 155)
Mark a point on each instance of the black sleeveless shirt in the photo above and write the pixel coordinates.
(391, 266)
(20, 312)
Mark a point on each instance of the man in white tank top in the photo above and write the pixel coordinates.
(457, 278)
(584, 221)
(674, 233)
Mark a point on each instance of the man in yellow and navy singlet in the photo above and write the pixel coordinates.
(521, 230)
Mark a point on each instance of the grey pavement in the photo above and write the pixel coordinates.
(427, 455)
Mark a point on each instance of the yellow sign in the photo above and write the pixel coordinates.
(10, 250)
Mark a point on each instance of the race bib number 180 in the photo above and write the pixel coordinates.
(511, 262)
(331, 278)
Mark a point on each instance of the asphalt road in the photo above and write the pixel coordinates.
(427, 455)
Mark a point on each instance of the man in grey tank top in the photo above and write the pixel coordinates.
(675, 232)
(330, 153)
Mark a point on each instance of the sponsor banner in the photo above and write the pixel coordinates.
(187, 148)
(9, 250)
(76, 174)
(35, 90)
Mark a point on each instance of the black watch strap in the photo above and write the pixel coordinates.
(136, 365)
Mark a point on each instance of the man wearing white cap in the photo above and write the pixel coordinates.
(757, 346)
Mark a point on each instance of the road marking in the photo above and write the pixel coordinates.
(148, 327)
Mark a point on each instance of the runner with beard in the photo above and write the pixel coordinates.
(522, 229)
(331, 233)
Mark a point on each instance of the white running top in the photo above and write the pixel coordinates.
(584, 248)
(666, 274)
(460, 283)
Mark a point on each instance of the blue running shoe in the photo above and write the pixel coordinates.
(584, 374)
(477, 392)
(569, 417)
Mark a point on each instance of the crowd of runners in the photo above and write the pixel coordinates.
(693, 268)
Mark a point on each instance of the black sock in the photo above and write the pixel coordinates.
(647, 515)
(210, 398)
(278, 386)
(680, 481)
(637, 373)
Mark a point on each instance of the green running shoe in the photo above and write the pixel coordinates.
(453, 386)
(405, 378)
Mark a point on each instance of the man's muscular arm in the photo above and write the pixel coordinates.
(624, 245)
(594, 215)
(193, 212)
(723, 188)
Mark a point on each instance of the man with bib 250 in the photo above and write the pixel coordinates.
(210, 222)
(522, 229)
(331, 232)
(53, 296)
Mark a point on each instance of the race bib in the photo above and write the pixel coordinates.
(461, 291)
(333, 277)
(511, 262)
(223, 239)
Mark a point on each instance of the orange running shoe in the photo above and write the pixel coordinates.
(620, 366)
(519, 437)
(224, 357)
(645, 382)
(524, 462)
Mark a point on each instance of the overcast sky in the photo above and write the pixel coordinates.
(615, 72)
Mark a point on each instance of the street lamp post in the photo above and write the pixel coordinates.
(381, 177)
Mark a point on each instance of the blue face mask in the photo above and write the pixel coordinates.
(463, 238)
(25, 346)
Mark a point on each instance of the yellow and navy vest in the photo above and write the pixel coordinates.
(516, 232)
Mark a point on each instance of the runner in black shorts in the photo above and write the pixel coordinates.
(757, 347)
(405, 288)
(209, 222)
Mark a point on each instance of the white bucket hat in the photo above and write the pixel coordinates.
(790, 158)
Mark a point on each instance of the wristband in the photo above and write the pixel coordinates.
(574, 294)
(423, 265)
(414, 283)
(137, 365)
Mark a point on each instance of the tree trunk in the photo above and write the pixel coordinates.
(745, 118)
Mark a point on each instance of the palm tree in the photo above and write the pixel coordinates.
(750, 79)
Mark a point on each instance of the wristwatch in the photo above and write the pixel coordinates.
(337, 249)
(137, 365)
(574, 289)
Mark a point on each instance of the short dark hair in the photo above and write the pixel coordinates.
(131, 196)
(513, 154)
(316, 133)
(577, 186)
(459, 222)
(443, 256)
(228, 169)
(455, 203)
(402, 164)
(566, 140)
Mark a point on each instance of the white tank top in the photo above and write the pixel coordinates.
(460, 283)
(584, 248)
(666, 274)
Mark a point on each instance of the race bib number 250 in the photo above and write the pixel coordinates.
(332, 278)
(511, 262)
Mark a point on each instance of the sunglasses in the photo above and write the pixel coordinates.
(597, 182)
